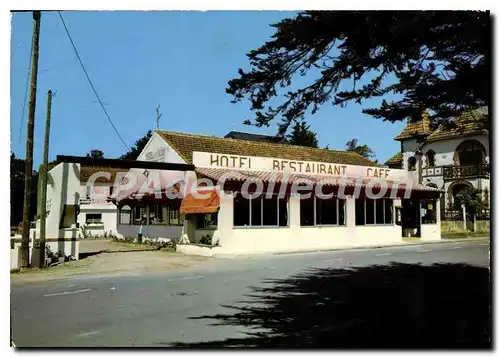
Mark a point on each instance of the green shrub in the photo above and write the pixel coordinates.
(206, 240)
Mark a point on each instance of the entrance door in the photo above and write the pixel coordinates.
(410, 218)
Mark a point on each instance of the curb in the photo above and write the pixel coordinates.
(402, 244)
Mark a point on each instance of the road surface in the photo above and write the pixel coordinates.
(387, 297)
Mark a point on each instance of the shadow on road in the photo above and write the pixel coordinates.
(390, 306)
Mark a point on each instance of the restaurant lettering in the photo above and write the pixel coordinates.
(309, 167)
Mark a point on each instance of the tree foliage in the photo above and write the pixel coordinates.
(473, 199)
(96, 154)
(302, 135)
(17, 175)
(136, 150)
(438, 60)
(363, 150)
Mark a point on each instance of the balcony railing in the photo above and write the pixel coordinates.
(456, 172)
(452, 172)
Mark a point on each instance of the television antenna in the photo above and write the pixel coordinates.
(158, 116)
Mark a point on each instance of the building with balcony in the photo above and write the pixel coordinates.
(452, 159)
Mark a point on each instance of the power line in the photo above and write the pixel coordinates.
(90, 82)
(26, 92)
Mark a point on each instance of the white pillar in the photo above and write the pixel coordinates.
(225, 219)
(294, 212)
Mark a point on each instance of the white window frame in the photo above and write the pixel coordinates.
(94, 220)
(261, 198)
(338, 214)
(375, 213)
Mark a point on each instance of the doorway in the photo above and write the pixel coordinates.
(410, 218)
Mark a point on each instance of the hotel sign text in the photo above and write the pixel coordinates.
(203, 159)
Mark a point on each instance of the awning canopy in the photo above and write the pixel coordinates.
(168, 187)
(206, 201)
(235, 178)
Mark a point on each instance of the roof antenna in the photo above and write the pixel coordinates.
(158, 116)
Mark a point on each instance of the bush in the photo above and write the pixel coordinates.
(206, 240)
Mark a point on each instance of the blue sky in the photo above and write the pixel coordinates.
(137, 60)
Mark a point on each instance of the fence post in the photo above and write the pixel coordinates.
(475, 225)
(464, 217)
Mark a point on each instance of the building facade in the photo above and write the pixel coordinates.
(450, 159)
(364, 204)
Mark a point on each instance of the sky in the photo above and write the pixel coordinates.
(180, 60)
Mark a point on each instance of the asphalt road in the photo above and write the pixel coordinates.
(307, 300)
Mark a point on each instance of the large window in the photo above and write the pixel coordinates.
(322, 212)
(93, 218)
(370, 212)
(207, 220)
(158, 215)
(430, 215)
(260, 211)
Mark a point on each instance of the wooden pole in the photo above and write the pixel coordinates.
(25, 254)
(43, 185)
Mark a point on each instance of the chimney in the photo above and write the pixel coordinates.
(425, 121)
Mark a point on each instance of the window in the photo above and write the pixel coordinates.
(307, 212)
(431, 158)
(174, 216)
(260, 211)
(322, 212)
(429, 207)
(139, 215)
(241, 210)
(93, 218)
(412, 163)
(369, 212)
(360, 212)
(158, 215)
(207, 220)
(125, 215)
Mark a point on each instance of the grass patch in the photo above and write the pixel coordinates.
(451, 235)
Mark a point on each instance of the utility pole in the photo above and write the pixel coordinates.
(25, 254)
(43, 186)
(158, 116)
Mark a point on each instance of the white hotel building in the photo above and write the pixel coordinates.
(224, 221)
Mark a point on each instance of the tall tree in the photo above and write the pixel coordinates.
(96, 154)
(363, 150)
(136, 150)
(436, 60)
(302, 135)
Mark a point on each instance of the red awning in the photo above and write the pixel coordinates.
(208, 202)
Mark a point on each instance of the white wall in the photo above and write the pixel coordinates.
(63, 188)
(155, 144)
(69, 248)
(109, 218)
(296, 238)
